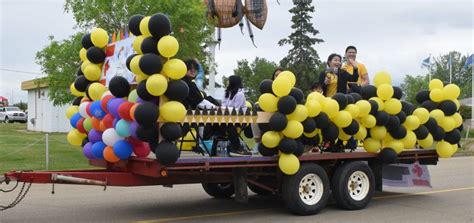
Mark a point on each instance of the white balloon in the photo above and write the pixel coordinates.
(82, 109)
(110, 137)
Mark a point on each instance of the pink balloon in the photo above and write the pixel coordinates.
(141, 149)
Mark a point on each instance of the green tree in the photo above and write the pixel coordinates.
(302, 59)
(60, 59)
(21, 105)
(411, 85)
(253, 73)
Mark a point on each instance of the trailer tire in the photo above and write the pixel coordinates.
(353, 185)
(307, 191)
(258, 190)
(219, 190)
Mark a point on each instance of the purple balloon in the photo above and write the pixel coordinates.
(95, 136)
(113, 106)
(133, 129)
(87, 150)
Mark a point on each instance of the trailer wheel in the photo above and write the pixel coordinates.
(306, 192)
(353, 185)
(219, 190)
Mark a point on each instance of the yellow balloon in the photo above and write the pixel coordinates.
(457, 103)
(392, 106)
(385, 91)
(444, 149)
(135, 67)
(271, 139)
(396, 145)
(409, 141)
(437, 114)
(156, 84)
(294, 129)
(137, 44)
(330, 107)
(144, 26)
(343, 136)
(281, 86)
(71, 110)
(364, 108)
(447, 123)
(311, 134)
(268, 102)
(353, 109)
(388, 138)
(372, 145)
(299, 114)
(288, 163)
(436, 95)
(426, 142)
(175, 69)
(435, 84)
(382, 77)
(99, 37)
(451, 91)
(74, 91)
(75, 138)
(411, 123)
(96, 90)
(92, 72)
(84, 64)
(140, 78)
(173, 111)
(457, 118)
(316, 96)
(248, 104)
(168, 46)
(83, 54)
(378, 132)
(379, 103)
(343, 119)
(288, 74)
(368, 121)
(422, 114)
(361, 134)
(313, 107)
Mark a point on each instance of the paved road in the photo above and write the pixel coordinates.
(450, 200)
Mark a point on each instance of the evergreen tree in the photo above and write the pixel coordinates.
(303, 60)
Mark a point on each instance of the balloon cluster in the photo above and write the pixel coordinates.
(115, 123)
(377, 116)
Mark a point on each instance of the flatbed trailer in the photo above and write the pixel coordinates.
(351, 177)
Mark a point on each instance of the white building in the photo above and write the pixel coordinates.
(43, 116)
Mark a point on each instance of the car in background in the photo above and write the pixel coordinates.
(12, 114)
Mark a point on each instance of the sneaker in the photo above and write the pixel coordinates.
(240, 152)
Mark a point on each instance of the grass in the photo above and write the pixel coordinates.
(25, 150)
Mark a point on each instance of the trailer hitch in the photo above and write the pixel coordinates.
(21, 194)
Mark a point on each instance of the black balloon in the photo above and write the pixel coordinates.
(368, 91)
(356, 97)
(266, 151)
(278, 122)
(438, 134)
(84, 141)
(134, 24)
(388, 155)
(171, 131)
(399, 133)
(352, 129)
(264, 127)
(407, 107)
(350, 99)
(453, 137)
(448, 107)
(77, 101)
(297, 94)
(119, 87)
(429, 105)
(146, 114)
(322, 120)
(431, 124)
(286, 104)
(341, 100)
(148, 133)
(95, 55)
(402, 116)
(374, 107)
(393, 123)
(81, 83)
(382, 118)
(397, 93)
(422, 96)
(287, 145)
(309, 125)
(79, 71)
(166, 153)
(330, 133)
(129, 59)
(159, 25)
(149, 45)
(150, 64)
(177, 90)
(299, 149)
(86, 41)
(142, 92)
(266, 86)
(421, 132)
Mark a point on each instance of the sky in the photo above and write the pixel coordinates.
(390, 35)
